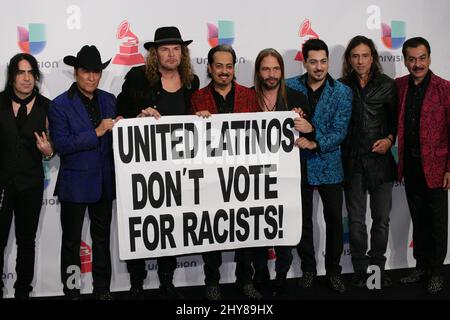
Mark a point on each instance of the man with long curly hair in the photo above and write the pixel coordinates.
(163, 86)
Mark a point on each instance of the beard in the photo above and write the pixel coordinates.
(271, 83)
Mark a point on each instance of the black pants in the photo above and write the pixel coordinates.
(380, 207)
(332, 199)
(138, 272)
(429, 214)
(26, 207)
(72, 217)
(244, 270)
(282, 263)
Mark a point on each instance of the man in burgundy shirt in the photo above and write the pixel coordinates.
(224, 95)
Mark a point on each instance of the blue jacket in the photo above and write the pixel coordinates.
(330, 120)
(86, 170)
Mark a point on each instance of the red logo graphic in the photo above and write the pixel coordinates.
(271, 255)
(305, 34)
(85, 257)
(129, 51)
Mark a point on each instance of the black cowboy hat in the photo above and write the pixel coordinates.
(88, 57)
(166, 35)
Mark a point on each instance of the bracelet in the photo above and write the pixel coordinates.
(46, 158)
(389, 138)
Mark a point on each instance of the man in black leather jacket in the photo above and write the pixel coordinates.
(369, 167)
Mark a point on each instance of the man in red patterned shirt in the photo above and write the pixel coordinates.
(424, 160)
(224, 95)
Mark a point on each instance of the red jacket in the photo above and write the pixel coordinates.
(434, 132)
(244, 100)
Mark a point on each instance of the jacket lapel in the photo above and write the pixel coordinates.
(102, 106)
(321, 108)
(80, 109)
(428, 103)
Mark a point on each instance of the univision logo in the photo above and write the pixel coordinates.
(393, 36)
(223, 33)
(32, 40)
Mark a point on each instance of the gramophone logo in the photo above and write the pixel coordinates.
(85, 257)
(31, 40)
(129, 50)
(305, 34)
(223, 33)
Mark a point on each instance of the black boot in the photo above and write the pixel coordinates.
(167, 290)
(279, 286)
(136, 292)
(261, 279)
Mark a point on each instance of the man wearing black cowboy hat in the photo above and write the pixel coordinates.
(162, 87)
(81, 120)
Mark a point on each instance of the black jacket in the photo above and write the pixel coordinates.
(20, 159)
(374, 117)
(138, 94)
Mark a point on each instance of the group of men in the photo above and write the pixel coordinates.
(346, 130)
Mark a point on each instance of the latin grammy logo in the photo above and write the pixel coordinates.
(129, 50)
(305, 33)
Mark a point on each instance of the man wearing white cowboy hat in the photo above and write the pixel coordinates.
(162, 87)
(80, 122)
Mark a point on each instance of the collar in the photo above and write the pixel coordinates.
(213, 89)
(423, 84)
(74, 90)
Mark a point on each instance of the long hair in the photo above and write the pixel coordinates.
(347, 68)
(13, 70)
(259, 82)
(184, 69)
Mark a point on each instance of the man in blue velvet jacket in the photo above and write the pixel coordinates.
(80, 122)
(331, 106)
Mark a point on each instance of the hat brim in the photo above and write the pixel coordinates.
(73, 62)
(150, 44)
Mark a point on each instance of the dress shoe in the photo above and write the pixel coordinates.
(250, 292)
(135, 293)
(104, 296)
(417, 275)
(169, 292)
(279, 287)
(359, 279)
(386, 281)
(73, 295)
(337, 283)
(212, 293)
(22, 295)
(307, 280)
(261, 280)
(436, 284)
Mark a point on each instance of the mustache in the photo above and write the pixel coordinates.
(224, 75)
(418, 68)
(271, 79)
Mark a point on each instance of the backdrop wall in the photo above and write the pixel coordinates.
(51, 30)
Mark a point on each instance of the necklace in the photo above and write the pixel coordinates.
(267, 102)
(271, 109)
